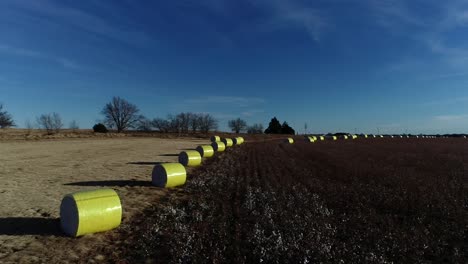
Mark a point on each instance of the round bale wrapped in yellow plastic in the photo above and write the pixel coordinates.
(206, 151)
(289, 140)
(215, 139)
(322, 138)
(335, 138)
(218, 146)
(236, 141)
(190, 158)
(227, 141)
(90, 212)
(168, 175)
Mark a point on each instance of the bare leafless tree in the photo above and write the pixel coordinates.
(237, 125)
(145, 124)
(74, 126)
(255, 129)
(174, 124)
(29, 127)
(184, 121)
(52, 123)
(207, 123)
(161, 124)
(194, 122)
(5, 118)
(120, 114)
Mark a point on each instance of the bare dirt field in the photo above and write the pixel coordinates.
(356, 201)
(35, 175)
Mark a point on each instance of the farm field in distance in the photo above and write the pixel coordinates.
(355, 201)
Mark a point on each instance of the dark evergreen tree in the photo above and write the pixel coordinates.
(274, 127)
(286, 129)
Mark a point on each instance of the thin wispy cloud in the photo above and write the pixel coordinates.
(226, 100)
(78, 19)
(395, 13)
(278, 15)
(295, 14)
(252, 112)
(450, 101)
(18, 51)
(451, 117)
(432, 32)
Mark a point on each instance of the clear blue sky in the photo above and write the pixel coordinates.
(337, 65)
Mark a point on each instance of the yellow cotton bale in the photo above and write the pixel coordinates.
(168, 175)
(289, 140)
(218, 146)
(322, 138)
(90, 212)
(190, 158)
(310, 139)
(206, 151)
(345, 137)
(227, 141)
(335, 138)
(366, 136)
(215, 139)
(237, 141)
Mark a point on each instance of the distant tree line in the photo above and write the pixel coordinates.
(182, 123)
(122, 115)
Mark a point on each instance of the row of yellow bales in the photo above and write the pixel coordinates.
(345, 137)
(100, 210)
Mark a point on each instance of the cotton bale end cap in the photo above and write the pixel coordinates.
(237, 141)
(215, 139)
(168, 175)
(190, 158)
(322, 138)
(227, 141)
(206, 151)
(289, 140)
(335, 138)
(218, 146)
(90, 212)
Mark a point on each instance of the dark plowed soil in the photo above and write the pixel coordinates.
(361, 201)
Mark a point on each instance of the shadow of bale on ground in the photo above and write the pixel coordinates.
(145, 163)
(110, 183)
(18, 226)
